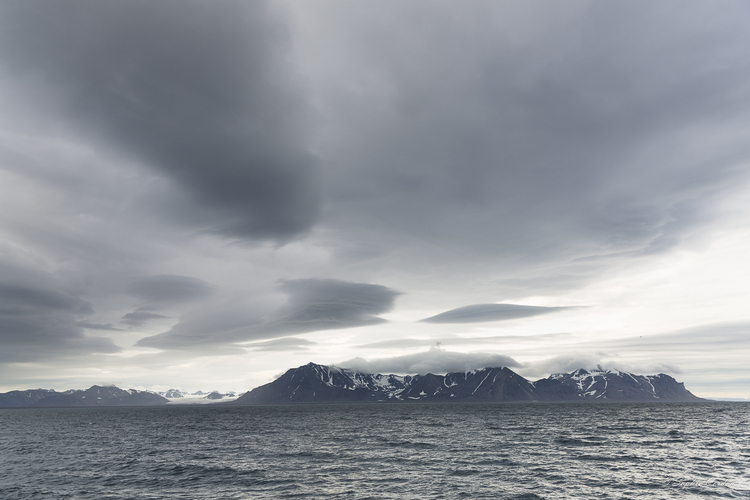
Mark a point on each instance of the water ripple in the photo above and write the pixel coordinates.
(515, 451)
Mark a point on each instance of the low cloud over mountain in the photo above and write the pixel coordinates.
(432, 361)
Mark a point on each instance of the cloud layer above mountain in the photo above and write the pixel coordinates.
(436, 361)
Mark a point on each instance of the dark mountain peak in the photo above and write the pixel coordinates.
(311, 383)
(314, 366)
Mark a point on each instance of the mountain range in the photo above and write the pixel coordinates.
(93, 396)
(314, 383)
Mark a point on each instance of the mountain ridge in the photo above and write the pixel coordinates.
(94, 396)
(313, 383)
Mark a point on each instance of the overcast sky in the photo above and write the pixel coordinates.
(201, 195)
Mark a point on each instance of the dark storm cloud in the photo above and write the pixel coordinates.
(169, 289)
(489, 312)
(435, 361)
(40, 318)
(313, 304)
(201, 92)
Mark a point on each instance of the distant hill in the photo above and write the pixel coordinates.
(93, 396)
(314, 383)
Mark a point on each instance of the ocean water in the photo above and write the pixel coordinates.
(514, 451)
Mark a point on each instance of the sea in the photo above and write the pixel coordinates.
(378, 451)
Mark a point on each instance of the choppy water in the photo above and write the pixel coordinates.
(519, 451)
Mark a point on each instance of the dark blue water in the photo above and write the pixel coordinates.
(518, 451)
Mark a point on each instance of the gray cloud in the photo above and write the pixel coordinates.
(40, 317)
(23, 298)
(440, 361)
(490, 312)
(543, 146)
(703, 339)
(97, 326)
(160, 291)
(458, 341)
(282, 344)
(169, 289)
(322, 304)
(569, 362)
(139, 318)
(705, 348)
(313, 304)
(436, 361)
(201, 93)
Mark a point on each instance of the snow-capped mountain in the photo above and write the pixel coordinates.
(178, 397)
(314, 383)
(174, 394)
(612, 385)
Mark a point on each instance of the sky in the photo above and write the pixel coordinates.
(202, 195)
